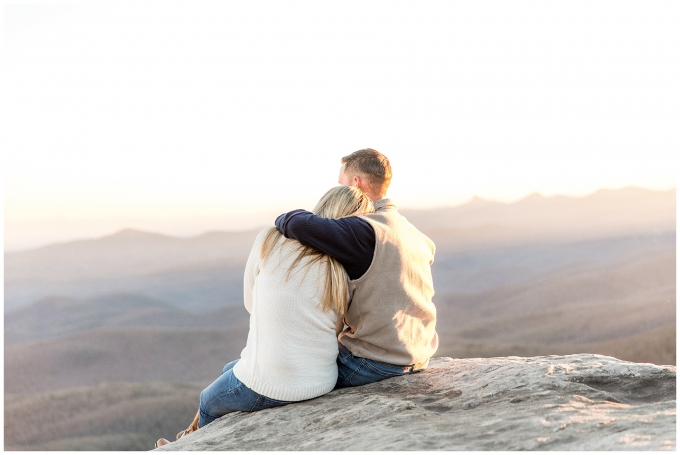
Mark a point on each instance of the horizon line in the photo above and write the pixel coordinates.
(472, 200)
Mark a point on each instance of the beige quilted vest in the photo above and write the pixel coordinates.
(391, 317)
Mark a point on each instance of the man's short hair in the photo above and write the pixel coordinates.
(372, 164)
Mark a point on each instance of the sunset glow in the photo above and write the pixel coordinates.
(182, 117)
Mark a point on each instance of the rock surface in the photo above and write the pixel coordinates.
(575, 402)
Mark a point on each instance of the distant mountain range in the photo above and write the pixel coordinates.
(124, 254)
(536, 219)
(205, 272)
(201, 273)
(110, 335)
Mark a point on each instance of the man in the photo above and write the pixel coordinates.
(391, 318)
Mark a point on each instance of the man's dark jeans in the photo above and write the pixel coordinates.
(354, 371)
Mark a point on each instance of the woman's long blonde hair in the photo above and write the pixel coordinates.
(338, 202)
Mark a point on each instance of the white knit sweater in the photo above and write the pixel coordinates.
(292, 345)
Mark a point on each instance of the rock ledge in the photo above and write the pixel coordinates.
(575, 402)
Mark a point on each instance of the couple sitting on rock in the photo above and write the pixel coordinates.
(338, 297)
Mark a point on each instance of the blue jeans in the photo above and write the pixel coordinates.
(227, 394)
(354, 371)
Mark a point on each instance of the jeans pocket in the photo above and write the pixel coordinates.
(387, 369)
(343, 353)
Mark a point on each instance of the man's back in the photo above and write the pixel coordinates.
(391, 316)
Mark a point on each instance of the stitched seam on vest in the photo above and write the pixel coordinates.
(375, 252)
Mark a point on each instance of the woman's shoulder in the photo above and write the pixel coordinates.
(263, 234)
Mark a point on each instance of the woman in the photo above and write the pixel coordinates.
(296, 298)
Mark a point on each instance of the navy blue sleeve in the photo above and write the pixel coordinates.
(350, 240)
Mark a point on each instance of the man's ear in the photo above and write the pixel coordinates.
(363, 184)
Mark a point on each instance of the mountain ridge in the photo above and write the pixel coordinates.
(475, 202)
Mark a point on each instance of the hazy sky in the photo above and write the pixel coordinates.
(185, 116)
